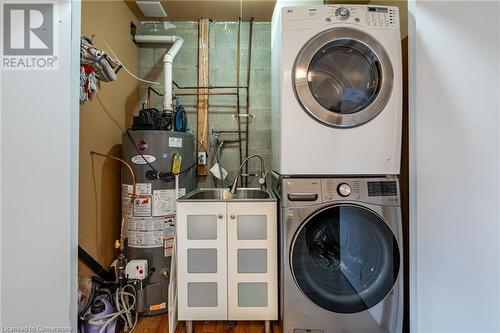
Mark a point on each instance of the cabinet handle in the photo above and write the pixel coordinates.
(220, 216)
(232, 216)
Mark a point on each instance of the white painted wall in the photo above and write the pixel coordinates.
(454, 167)
(39, 151)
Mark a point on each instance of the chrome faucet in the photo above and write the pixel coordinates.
(262, 179)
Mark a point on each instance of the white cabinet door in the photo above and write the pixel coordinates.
(201, 261)
(252, 261)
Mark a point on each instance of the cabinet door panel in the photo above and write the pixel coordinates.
(251, 227)
(201, 227)
(252, 261)
(202, 263)
(253, 295)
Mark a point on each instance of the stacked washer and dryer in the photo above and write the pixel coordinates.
(337, 114)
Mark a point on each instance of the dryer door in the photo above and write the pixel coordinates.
(343, 77)
(345, 258)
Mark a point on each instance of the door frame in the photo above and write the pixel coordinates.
(76, 16)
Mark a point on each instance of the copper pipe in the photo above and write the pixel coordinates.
(130, 204)
(209, 87)
(148, 103)
(248, 92)
(227, 131)
(205, 94)
(238, 65)
(230, 141)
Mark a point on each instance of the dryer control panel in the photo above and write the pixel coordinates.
(381, 16)
(371, 16)
(368, 16)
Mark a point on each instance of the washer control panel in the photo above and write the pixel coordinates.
(335, 189)
(344, 189)
(377, 190)
(382, 189)
(298, 192)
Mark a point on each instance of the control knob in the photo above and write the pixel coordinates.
(342, 13)
(344, 190)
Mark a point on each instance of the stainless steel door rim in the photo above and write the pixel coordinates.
(377, 287)
(364, 44)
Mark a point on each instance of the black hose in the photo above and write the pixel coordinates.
(93, 264)
(81, 314)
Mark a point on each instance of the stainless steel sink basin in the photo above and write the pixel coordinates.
(217, 194)
(208, 194)
(251, 194)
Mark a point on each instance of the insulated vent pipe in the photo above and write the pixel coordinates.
(168, 60)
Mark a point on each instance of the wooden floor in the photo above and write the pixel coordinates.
(159, 324)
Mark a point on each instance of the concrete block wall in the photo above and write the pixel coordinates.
(185, 69)
(222, 72)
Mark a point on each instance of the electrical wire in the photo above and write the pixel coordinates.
(125, 303)
(125, 68)
(127, 208)
(122, 307)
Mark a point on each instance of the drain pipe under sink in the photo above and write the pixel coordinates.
(168, 59)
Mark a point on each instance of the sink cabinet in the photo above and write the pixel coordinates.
(227, 260)
(201, 260)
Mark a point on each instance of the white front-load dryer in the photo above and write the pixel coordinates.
(337, 90)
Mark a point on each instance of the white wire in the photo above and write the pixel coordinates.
(124, 310)
(128, 314)
(125, 68)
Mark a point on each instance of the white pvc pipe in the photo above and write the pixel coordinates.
(168, 59)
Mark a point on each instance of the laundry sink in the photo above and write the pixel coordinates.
(251, 194)
(217, 194)
(235, 236)
(204, 194)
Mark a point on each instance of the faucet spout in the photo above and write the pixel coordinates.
(262, 179)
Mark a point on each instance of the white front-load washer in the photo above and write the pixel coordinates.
(337, 90)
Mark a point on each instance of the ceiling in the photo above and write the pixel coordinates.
(218, 10)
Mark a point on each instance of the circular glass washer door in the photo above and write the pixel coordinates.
(345, 258)
(343, 77)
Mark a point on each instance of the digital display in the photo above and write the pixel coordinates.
(378, 9)
(382, 189)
